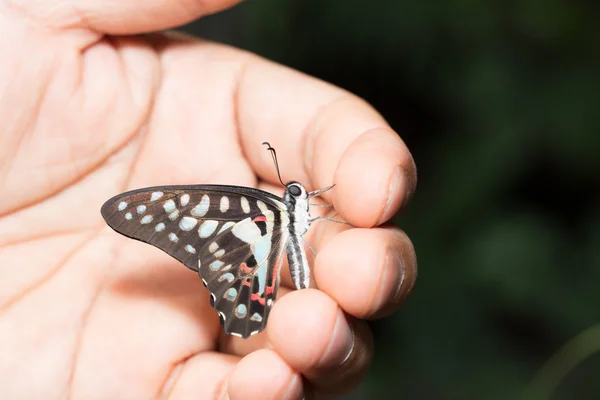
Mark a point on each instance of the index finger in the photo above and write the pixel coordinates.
(323, 135)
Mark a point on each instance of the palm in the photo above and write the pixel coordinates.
(85, 311)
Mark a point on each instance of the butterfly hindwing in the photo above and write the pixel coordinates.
(243, 288)
(233, 236)
(243, 281)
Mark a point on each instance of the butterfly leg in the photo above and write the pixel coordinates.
(315, 219)
(318, 218)
(321, 205)
(317, 193)
(310, 247)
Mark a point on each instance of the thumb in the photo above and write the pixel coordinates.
(119, 17)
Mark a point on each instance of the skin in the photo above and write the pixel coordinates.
(89, 111)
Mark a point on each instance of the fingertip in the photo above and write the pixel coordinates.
(375, 177)
(134, 17)
(264, 375)
(309, 330)
(202, 376)
(351, 277)
(375, 278)
(332, 351)
(402, 269)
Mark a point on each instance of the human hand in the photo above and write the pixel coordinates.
(86, 313)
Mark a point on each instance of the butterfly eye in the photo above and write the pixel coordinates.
(295, 190)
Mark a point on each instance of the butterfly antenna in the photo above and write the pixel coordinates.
(274, 154)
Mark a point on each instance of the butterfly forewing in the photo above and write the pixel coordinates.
(233, 236)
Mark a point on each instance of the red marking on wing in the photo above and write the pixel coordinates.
(245, 268)
(256, 297)
(246, 283)
(260, 218)
(271, 286)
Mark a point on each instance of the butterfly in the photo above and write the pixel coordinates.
(233, 236)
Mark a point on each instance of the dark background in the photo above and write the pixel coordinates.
(499, 103)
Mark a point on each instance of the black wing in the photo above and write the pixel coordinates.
(233, 236)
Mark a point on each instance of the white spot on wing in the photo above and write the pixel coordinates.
(263, 207)
(226, 226)
(156, 195)
(220, 253)
(122, 206)
(241, 310)
(226, 268)
(169, 206)
(215, 265)
(174, 215)
(173, 237)
(246, 231)
(207, 228)
(269, 302)
(159, 227)
(213, 247)
(187, 223)
(256, 317)
(245, 205)
(190, 249)
(128, 216)
(269, 215)
(146, 220)
(226, 277)
(184, 200)
(141, 209)
(224, 205)
(231, 294)
(202, 208)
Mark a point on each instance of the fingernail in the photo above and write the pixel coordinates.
(401, 266)
(391, 280)
(294, 389)
(341, 345)
(223, 395)
(410, 184)
(396, 182)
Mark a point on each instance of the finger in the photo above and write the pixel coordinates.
(203, 376)
(313, 335)
(230, 344)
(370, 196)
(264, 375)
(324, 135)
(122, 17)
(374, 278)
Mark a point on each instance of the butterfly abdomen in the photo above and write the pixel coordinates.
(299, 269)
(299, 217)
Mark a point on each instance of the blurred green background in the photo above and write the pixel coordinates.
(499, 103)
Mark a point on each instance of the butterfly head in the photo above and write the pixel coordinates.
(296, 200)
(296, 190)
(296, 197)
